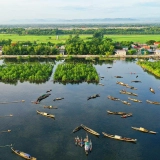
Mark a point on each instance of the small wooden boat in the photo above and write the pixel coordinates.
(125, 102)
(152, 90)
(43, 97)
(153, 102)
(129, 93)
(126, 115)
(116, 113)
(119, 137)
(23, 154)
(89, 130)
(46, 114)
(94, 96)
(100, 84)
(134, 100)
(77, 129)
(143, 130)
(118, 76)
(113, 98)
(131, 87)
(48, 91)
(121, 83)
(51, 107)
(59, 98)
(136, 81)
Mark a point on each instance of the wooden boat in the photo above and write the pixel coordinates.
(43, 97)
(113, 98)
(100, 84)
(121, 83)
(94, 96)
(143, 130)
(89, 130)
(126, 115)
(51, 107)
(125, 102)
(46, 114)
(59, 98)
(23, 154)
(131, 87)
(118, 76)
(136, 81)
(134, 100)
(77, 129)
(152, 90)
(153, 102)
(116, 113)
(129, 93)
(119, 137)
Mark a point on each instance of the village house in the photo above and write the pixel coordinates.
(157, 52)
(120, 53)
(62, 50)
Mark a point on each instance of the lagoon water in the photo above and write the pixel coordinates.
(48, 139)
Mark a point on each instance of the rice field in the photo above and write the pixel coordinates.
(63, 38)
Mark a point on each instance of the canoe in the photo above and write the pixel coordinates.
(43, 97)
(134, 100)
(118, 76)
(129, 93)
(77, 129)
(100, 84)
(119, 137)
(116, 113)
(125, 102)
(94, 96)
(89, 130)
(126, 115)
(121, 83)
(59, 98)
(131, 87)
(113, 98)
(46, 114)
(51, 107)
(23, 154)
(143, 130)
(153, 102)
(136, 81)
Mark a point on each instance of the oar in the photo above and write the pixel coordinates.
(7, 145)
(11, 115)
(12, 102)
(5, 131)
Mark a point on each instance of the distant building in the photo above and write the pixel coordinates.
(62, 50)
(120, 53)
(157, 52)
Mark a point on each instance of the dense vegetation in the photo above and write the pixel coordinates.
(33, 72)
(76, 72)
(153, 67)
(85, 30)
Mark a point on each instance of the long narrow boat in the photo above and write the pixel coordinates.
(131, 87)
(77, 129)
(119, 137)
(46, 114)
(23, 154)
(134, 100)
(125, 102)
(129, 93)
(153, 102)
(113, 98)
(143, 130)
(116, 113)
(126, 115)
(121, 83)
(89, 130)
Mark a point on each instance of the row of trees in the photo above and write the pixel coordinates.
(42, 31)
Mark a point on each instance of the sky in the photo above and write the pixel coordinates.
(77, 9)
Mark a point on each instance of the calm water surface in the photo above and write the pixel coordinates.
(48, 139)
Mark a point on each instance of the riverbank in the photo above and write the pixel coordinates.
(78, 56)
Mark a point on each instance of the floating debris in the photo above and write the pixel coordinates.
(5, 131)
(11, 115)
(12, 102)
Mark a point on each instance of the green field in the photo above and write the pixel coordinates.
(62, 38)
